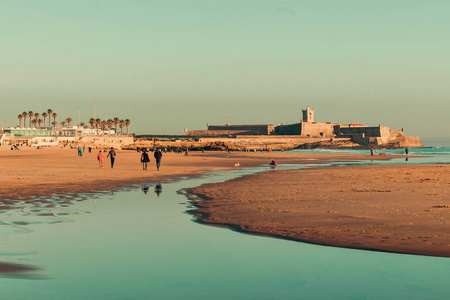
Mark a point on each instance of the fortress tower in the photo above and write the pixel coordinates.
(308, 115)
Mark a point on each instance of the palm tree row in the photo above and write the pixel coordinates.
(110, 123)
(37, 120)
(95, 123)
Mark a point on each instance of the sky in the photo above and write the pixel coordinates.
(170, 65)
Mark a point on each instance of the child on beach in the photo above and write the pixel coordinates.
(100, 158)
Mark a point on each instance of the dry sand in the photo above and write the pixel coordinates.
(394, 208)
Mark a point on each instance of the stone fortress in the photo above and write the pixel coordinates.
(310, 133)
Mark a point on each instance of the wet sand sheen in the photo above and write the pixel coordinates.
(394, 208)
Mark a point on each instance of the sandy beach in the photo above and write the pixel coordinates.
(394, 208)
(28, 173)
(401, 209)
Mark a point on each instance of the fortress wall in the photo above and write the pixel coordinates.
(384, 131)
(406, 141)
(265, 129)
(396, 133)
(270, 140)
(291, 129)
(317, 129)
(218, 132)
(365, 131)
(392, 142)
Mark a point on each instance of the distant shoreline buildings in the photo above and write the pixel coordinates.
(311, 132)
(38, 134)
(53, 136)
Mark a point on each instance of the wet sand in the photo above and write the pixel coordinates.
(394, 208)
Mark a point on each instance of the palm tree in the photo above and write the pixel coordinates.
(83, 125)
(104, 125)
(50, 114)
(33, 122)
(127, 123)
(54, 115)
(30, 115)
(110, 124)
(20, 119)
(36, 115)
(116, 122)
(98, 123)
(63, 123)
(54, 123)
(24, 115)
(40, 121)
(92, 122)
(69, 119)
(121, 125)
(44, 115)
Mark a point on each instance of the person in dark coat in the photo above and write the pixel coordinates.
(112, 156)
(144, 159)
(158, 155)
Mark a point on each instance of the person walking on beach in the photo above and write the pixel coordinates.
(158, 155)
(144, 159)
(406, 151)
(80, 151)
(100, 158)
(112, 156)
(371, 151)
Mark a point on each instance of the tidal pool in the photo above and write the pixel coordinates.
(136, 244)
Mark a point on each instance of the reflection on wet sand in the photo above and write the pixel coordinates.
(145, 189)
(16, 270)
(158, 189)
(17, 215)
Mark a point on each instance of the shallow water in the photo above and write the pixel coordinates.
(135, 245)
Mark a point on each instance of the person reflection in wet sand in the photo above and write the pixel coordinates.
(158, 189)
(145, 189)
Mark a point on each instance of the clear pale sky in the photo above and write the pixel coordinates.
(167, 65)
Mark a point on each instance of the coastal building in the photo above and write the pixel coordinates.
(313, 132)
(53, 136)
(233, 130)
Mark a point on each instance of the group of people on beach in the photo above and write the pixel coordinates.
(145, 159)
(111, 154)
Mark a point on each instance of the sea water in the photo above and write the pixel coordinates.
(136, 244)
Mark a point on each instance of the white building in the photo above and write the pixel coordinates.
(52, 136)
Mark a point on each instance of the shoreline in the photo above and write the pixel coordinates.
(411, 219)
